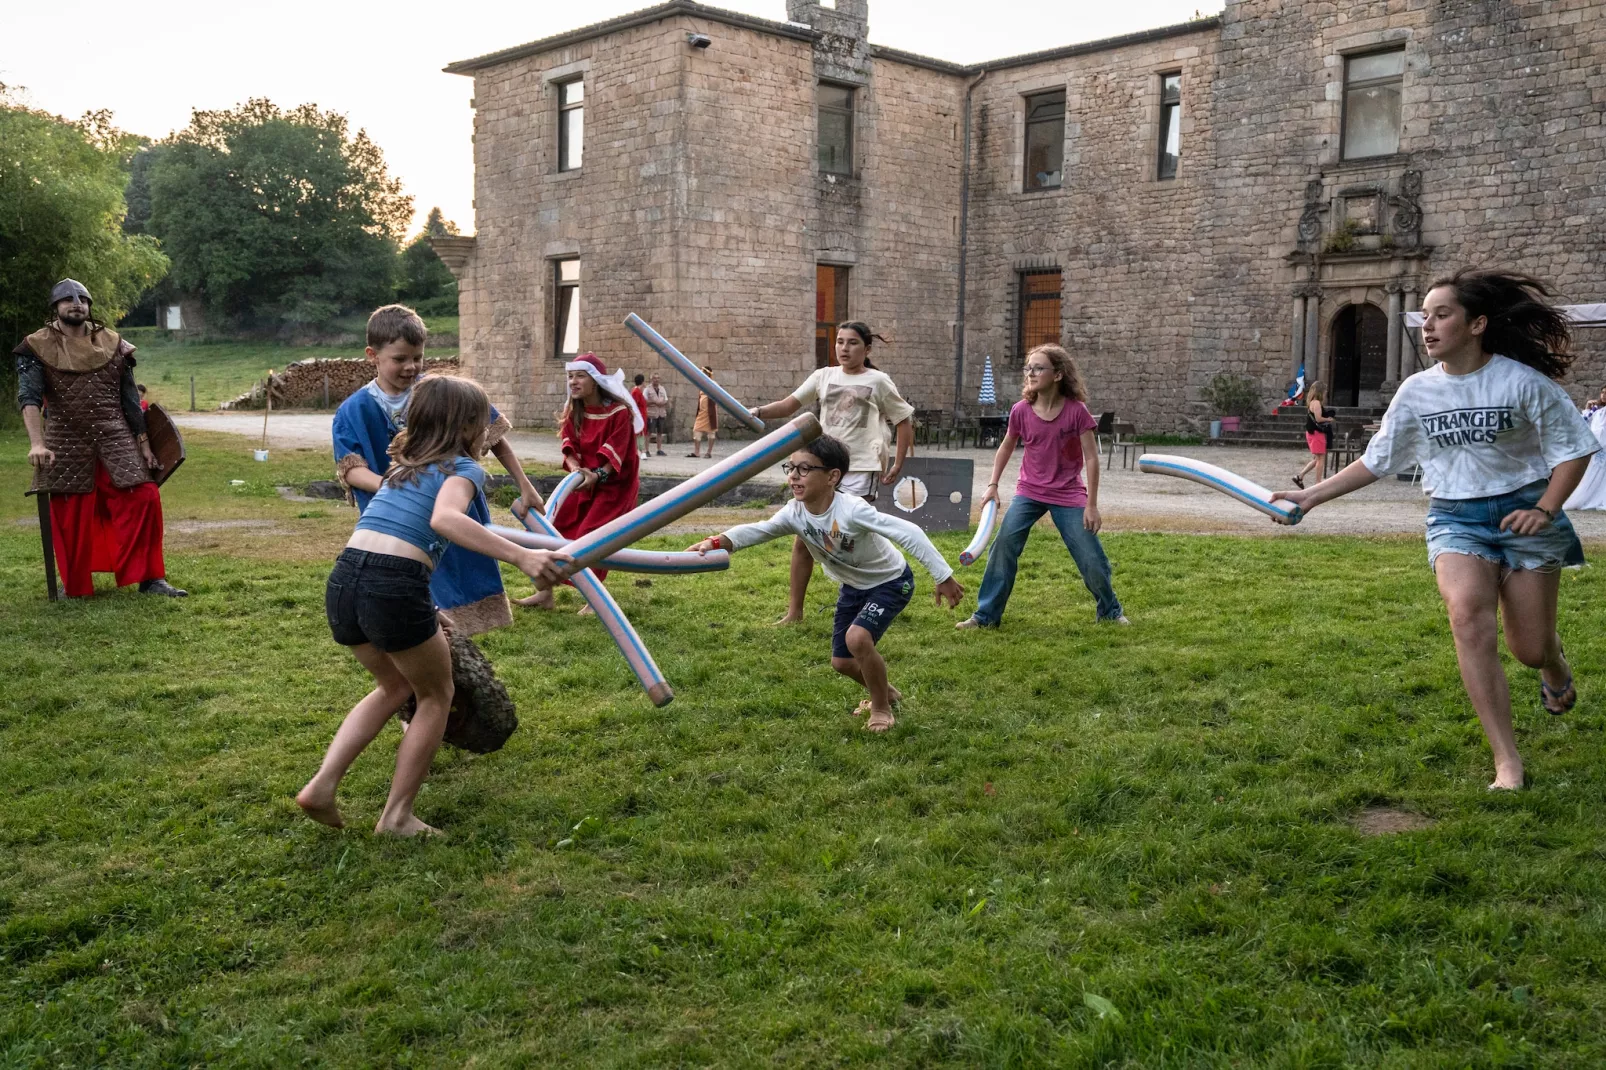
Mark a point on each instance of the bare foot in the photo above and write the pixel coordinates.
(410, 826)
(880, 721)
(586, 611)
(1510, 778)
(320, 807)
(538, 600)
(789, 618)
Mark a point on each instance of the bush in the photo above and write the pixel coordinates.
(1232, 395)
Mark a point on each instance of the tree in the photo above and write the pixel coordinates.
(61, 214)
(426, 283)
(277, 218)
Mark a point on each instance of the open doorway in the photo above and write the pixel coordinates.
(1360, 355)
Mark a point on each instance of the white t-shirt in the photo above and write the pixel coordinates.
(1499, 428)
(852, 408)
(850, 540)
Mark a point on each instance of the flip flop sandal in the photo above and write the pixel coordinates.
(880, 721)
(1547, 694)
(862, 709)
(1300, 483)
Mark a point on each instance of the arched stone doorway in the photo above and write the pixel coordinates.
(1360, 355)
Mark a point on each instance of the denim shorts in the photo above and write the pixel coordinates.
(380, 599)
(873, 609)
(1472, 526)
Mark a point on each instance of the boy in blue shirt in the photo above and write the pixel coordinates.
(466, 585)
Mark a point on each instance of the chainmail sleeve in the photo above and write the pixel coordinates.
(30, 378)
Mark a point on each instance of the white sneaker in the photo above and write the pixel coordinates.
(1115, 620)
(972, 622)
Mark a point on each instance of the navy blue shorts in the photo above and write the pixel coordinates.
(873, 609)
(380, 599)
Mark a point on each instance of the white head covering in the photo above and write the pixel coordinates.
(611, 385)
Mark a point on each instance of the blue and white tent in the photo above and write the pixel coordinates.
(989, 395)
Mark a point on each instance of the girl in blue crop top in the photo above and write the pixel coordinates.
(378, 601)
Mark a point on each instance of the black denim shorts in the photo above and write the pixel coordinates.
(380, 599)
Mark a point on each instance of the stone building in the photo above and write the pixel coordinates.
(1247, 193)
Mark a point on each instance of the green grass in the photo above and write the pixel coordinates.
(1081, 846)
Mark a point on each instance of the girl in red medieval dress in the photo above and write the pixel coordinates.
(599, 426)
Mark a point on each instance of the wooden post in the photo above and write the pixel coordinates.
(48, 539)
(192, 393)
(267, 392)
(326, 388)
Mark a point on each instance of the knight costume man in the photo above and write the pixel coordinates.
(88, 447)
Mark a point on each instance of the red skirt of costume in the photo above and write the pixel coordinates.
(604, 437)
(110, 529)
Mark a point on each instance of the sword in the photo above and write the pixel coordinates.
(47, 539)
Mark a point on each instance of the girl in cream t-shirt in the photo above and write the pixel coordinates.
(855, 398)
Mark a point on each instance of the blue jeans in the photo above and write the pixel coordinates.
(1086, 551)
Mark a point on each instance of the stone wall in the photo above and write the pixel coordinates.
(699, 205)
(1128, 246)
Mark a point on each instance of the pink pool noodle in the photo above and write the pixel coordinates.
(657, 562)
(698, 377)
(613, 619)
(670, 506)
(984, 534)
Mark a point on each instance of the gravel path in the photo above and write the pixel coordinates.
(1131, 500)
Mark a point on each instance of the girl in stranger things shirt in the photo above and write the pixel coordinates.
(1501, 447)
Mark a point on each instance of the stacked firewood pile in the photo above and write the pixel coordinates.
(303, 384)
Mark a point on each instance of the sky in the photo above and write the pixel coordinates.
(380, 64)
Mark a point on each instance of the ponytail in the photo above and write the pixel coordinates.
(866, 335)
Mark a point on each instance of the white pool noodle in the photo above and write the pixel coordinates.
(1217, 478)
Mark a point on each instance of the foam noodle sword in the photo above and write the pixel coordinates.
(1231, 484)
(613, 619)
(710, 483)
(561, 491)
(652, 562)
(984, 533)
(699, 379)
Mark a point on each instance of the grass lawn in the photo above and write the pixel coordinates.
(1081, 846)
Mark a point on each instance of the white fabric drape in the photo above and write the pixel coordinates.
(1591, 492)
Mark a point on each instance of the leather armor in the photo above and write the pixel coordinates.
(85, 423)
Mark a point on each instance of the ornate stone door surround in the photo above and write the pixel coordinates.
(1358, 241)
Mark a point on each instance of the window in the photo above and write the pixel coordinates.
(1045, 140)
(566, 309)
(830, 309)
(836, 129)
(1372, 104)
(1039, 309)
(571, 124)
(1170, 125)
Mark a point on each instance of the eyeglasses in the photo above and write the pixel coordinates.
(1039, 369)
(801, 469)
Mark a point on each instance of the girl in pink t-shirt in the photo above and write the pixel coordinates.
(1052, 420)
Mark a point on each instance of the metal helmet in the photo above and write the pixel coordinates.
(69, 288)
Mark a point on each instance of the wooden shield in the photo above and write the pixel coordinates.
(166, 442)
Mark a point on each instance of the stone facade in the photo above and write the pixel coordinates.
(699, 204)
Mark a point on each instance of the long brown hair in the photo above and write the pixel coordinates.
(446, 419)
(1316, 391)
(1522, 324)
(1071, 386)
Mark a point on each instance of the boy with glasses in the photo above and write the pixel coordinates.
(858, 548)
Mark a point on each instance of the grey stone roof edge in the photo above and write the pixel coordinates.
(804, 33)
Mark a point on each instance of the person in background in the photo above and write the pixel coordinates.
(657, 412)
(640, 397)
